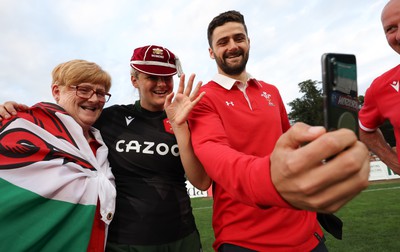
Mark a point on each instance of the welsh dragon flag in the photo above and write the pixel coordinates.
(50, 182)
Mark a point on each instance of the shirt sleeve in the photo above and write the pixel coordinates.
(369, 116)
(246, 177)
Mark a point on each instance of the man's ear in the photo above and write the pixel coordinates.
(211, 52)
(55, 90)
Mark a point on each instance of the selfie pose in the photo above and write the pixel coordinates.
(267, 190)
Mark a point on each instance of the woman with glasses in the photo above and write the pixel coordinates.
(151, 156)
(58, 189)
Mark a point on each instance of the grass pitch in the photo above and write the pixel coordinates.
(371, 220)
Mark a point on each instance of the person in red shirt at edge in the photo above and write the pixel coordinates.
(382, 97)
(266, 189)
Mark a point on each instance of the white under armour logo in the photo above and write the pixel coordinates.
(395, 85)
(229, 103)
(129, 119)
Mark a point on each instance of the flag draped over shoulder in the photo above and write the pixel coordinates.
(50, 182)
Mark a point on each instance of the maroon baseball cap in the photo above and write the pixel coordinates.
(155, 60)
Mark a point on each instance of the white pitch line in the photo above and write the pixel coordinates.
(382, 189)
(368, 190)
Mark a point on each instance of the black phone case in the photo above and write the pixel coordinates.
(339, 78)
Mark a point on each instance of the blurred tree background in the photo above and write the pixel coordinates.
(310, 106)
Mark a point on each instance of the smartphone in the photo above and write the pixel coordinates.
(340, 92)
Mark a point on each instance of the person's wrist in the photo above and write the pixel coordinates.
(176, 126)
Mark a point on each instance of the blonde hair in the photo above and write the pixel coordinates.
(78, 71)
(134, 72)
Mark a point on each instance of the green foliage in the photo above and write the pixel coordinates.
(370, 221)
(361, 100)
(309, 107)
(388, 133)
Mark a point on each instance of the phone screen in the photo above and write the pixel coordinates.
(340, 91)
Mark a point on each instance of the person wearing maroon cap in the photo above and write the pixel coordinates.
(266, 189)
(150, 155)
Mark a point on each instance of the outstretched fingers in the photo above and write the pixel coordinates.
(181, 86)
(168, 100)
(188, 88)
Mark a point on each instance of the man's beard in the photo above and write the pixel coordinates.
(236, 69)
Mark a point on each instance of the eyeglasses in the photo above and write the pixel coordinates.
(87, 92)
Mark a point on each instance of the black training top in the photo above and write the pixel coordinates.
(152, 206)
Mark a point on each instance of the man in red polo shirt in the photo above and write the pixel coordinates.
(266, 189)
